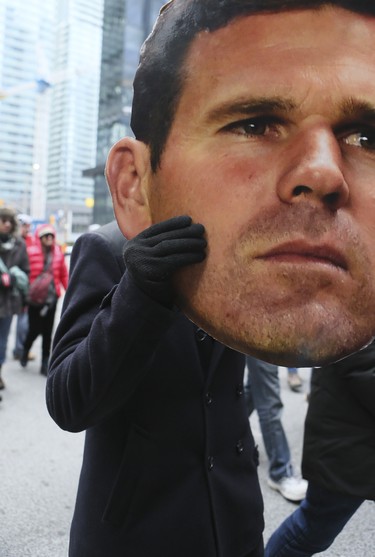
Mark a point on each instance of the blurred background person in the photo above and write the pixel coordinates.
(45, 255)
(24, 222)
(294, 380)
(262, 393)
(13, 261)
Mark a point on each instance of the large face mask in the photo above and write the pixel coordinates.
(271, 150)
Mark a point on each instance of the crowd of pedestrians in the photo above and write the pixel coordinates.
(24, 258)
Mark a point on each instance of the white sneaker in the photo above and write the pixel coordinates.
(291, 488)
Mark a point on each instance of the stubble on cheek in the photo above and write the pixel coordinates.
(286, 317)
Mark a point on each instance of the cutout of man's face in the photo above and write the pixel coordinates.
(273, 150)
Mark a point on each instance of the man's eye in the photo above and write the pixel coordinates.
(254, 127)
(364, 139)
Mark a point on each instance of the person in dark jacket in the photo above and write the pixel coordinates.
(338, 456)
(281, 179)
(13, 262)
(169, 464)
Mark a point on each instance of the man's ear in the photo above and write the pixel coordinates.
(128, 172)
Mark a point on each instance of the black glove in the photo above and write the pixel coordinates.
(155, 254)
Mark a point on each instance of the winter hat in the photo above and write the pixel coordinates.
(47, 229)
(24, 219)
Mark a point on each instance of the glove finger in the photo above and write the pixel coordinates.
(192, 231)
(165, 226)
(171, 247)
(165, 269)
(185, 259)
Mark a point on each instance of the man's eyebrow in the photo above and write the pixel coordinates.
(252, 106)
(357, 109)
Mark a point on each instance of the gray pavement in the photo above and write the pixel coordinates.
(39, 468)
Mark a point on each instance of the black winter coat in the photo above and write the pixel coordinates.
(169, 466)
(11, 299)
(339, 441)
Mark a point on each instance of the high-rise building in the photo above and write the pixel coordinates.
(26, 39)
(50, 55)
(126, 24)
(73, 121)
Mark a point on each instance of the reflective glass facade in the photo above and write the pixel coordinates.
(73, 122)
(50, 56)
(126, 25)
(26, 37)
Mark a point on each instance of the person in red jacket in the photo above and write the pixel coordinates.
(44, 255)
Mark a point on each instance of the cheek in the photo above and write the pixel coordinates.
(214, 188)
(363, 213)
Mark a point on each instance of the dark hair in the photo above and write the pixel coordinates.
(160, 76)
(6, 213)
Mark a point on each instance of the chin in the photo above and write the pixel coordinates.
(298, 325)
(301, 338)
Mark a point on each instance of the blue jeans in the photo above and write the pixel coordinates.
(21, 333)
(262, 393)
(5, 323)
(314, 525)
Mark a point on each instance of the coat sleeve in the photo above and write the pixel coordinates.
(105, 341)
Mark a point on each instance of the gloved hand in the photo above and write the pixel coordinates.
(152, 257)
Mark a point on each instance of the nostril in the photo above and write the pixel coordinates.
(332, 199)
(299, 190)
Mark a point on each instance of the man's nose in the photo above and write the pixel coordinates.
(314, 171)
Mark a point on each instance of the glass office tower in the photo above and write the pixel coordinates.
(50, 56)
(74, 118)
(26, 40)
(126, 25)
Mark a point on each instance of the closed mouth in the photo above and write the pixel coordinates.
(302, 251)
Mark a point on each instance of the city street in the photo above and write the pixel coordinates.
(39, 468)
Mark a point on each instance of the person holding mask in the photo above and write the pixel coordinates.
(161, 394)
(44, 255)
(246, 198)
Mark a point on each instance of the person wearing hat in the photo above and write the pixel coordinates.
(45, 256)
(13, 260)
(25, 222)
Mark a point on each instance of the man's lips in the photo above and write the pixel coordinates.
(305, 252)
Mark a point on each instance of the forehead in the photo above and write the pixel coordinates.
(328, 49)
